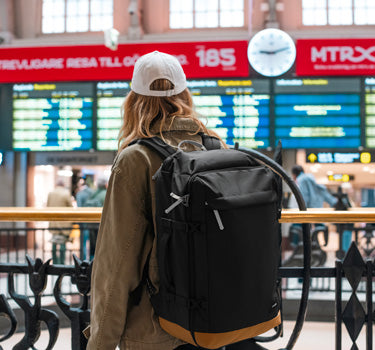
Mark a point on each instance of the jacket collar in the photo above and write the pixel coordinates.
(176, 124)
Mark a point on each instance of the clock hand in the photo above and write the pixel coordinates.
(267, 52)
(282, 49)
(273, 52)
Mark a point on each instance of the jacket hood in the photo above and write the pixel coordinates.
(176, 124)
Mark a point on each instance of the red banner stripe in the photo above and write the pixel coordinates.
(97, 62)
(333, 57)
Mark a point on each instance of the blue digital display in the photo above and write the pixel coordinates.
(110, 97)
(318, 99)
(237, 110)
(316, 113)
(52, 117)
(325, 121)
(318, 120)
(370, 112)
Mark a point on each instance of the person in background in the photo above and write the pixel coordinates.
(344, 203)
(314, 194)
(60, 230)
(83, 194)
(95, 200)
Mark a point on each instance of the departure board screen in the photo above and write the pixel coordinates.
(110, 97)
(237, 110)
(370, 112)
(318, 113)
(52, 117)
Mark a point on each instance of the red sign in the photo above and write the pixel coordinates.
(335, 57)
(96, 62)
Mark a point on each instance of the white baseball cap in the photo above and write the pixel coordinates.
(158, 65)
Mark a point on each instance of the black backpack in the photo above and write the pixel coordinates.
(218, 243)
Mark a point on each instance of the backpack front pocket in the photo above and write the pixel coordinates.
(239, 202)
(238, 228)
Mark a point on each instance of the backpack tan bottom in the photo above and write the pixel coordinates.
(216, 340)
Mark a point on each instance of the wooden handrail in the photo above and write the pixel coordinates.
(50, 214)
(328, 215)
(325, 215)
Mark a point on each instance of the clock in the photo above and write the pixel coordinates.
(271, 52)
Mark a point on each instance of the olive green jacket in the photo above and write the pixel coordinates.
(125, 238)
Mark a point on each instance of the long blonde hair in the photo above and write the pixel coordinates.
(140, 113)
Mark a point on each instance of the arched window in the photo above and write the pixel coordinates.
(338, 12)
(71, 16)
(206, 13)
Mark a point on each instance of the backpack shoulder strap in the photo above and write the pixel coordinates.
(210, 142)
(136, 294)
(156, 144)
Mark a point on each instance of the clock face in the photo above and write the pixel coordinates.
(271, 52)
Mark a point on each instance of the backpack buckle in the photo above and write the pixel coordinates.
(179, 199)
(194, 303)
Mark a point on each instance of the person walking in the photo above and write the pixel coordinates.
(60, 230)
(83, 194)
(313, 193)
(95, 200)
(159, 104)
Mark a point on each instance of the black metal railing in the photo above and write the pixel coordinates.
(352, 313)
(33, 311)
(16, 243)
(352, 274)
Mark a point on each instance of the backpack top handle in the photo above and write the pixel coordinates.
(210, 142)
(191, 142)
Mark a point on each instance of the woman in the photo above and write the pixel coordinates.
(158, 105)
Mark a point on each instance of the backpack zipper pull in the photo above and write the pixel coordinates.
(179, 200)
(218, 219)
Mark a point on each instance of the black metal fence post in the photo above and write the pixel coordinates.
(369, 300)
(338, 302)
